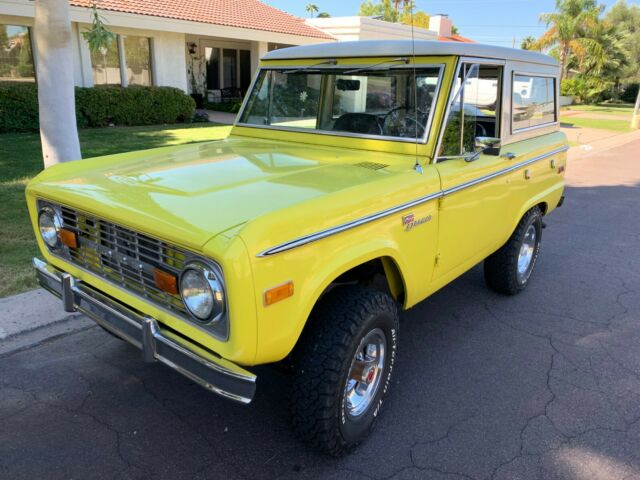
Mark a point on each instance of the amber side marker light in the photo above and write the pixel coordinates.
(167, 282)
(68, 238)
(280, 292)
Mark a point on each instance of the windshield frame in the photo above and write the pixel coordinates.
(410, 66)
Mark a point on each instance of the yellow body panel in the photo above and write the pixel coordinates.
(234, 199)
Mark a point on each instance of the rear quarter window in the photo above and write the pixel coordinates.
(533, 101)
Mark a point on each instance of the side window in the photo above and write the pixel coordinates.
(533, 101)
(474, 111)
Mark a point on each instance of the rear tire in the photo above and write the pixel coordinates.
(342, 368)
(508, 271)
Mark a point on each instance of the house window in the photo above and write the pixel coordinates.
(533, 103)
(229, 68)
(16, 58)
(137, 57)
(245, 70)
(106, 65)
(212, 55)
(127, 60)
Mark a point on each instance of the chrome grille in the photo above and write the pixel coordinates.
(124, 256)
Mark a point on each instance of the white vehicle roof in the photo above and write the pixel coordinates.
(402, 48)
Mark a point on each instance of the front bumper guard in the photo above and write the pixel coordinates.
(215, 374)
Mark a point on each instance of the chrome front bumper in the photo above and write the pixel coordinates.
(215, 374)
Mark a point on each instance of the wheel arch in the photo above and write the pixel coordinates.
(365, 270)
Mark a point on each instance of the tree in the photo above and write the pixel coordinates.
(384, 9)
(323, 15)
(419, 19)
(627, 20)
(410, 16)
(389, 11)
(568, 26)
(529, 43)
(605, 54)
(311, 9)
(58, 131)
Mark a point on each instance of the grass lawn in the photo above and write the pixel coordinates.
(620, 110)
(613, 125)
(21, 159)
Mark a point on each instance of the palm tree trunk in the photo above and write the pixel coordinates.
(563, 62)
(58, 131)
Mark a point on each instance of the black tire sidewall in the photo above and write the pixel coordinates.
(354, 430)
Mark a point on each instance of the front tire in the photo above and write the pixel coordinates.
(509, 270)
(342, 368)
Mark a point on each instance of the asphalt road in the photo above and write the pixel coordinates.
(543, 385)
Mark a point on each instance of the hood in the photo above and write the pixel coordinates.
(190, 193)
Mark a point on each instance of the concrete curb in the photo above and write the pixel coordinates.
(33, 317)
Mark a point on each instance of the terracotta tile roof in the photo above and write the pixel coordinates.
(250, 14)
(454, 38)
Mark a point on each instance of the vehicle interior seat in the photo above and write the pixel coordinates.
(358, 123)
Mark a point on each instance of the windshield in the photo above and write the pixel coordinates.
(377, 102)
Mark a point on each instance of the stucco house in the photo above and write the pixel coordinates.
(159, 41)
(370, 28)
(209, 47)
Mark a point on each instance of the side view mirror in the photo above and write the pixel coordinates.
(486, 145)
(489, 145)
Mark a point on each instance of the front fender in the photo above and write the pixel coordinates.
(312, 269)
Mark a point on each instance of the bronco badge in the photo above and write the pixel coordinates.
(409, 221)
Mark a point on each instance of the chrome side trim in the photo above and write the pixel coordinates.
(298, 242)
(346, 226)
(504, 171)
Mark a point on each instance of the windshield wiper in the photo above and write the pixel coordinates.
(370, 67)
(332, 61)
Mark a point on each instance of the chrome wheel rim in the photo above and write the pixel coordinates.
(527, 249)
(366, 373)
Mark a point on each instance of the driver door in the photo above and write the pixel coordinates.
(473, 210)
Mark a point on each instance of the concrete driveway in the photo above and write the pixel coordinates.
(545, 385)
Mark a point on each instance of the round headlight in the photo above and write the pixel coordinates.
(50, 223)
(202, 292)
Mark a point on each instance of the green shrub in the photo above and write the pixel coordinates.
(99, 106)
(18, 108)
(586, 89)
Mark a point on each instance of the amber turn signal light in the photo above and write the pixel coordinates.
(275, 294)
(166, 282)
(68, 238)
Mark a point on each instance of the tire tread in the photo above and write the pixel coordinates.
(319, 362)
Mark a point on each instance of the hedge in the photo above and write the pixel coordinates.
(98, 107)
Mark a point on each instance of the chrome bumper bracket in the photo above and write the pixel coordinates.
(215, 374)
(67, 293)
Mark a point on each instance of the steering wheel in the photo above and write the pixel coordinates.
(420, 128)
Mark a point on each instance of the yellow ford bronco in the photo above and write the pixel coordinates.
(358, 179)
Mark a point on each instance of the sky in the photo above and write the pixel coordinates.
(495, 22)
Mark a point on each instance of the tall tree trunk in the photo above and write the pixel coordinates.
(56, 100)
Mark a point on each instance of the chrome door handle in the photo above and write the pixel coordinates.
(509, 155)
